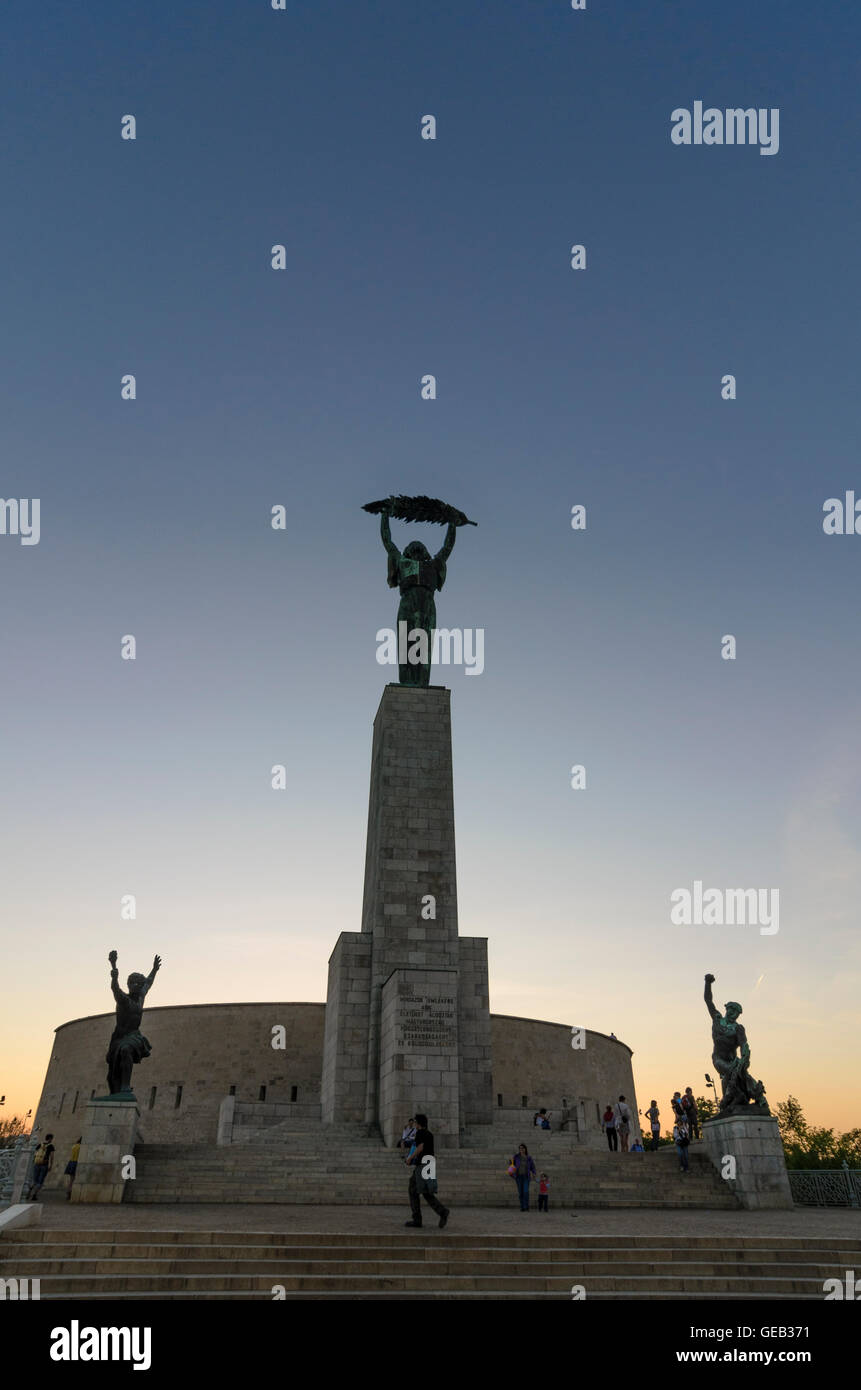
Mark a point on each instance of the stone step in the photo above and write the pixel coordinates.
(295, 1142)
(500, 1181)
(168, 1264)
(169, 1181)
(353, 1163)
(789, 1247)
(96, 1254)
(390, 1194)
(85, 1285)
(472, 1263)
(400, 1173)
(467, 1295)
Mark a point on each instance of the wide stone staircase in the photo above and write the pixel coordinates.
(355, 1170)
(421, 1265)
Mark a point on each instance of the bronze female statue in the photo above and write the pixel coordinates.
(418, 575)
(128, 1045)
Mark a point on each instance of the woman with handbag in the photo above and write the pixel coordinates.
(524, 1169)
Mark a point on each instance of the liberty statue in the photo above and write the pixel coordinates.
(418, 575)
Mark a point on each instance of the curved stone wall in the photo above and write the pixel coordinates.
(535, 1060)
(204, 1052)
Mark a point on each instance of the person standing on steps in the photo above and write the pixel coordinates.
(681, 1139)
(608, 1124)
(43, 1162)
(72, 1168)
(623, 1122)
(524, 1170)
(543, 1192)
(423, 1176)
(689, 1106)
(653, 1115)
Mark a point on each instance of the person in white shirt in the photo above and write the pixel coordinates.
(623, 1122)
(653, 1115)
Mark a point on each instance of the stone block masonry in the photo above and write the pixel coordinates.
(753, 1141)
(108, 1137)
(382, 978)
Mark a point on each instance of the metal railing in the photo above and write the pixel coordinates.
(7, 1166)
(16, 1169)
(826, 1187)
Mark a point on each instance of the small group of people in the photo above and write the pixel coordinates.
(43, 1162)
(685, 1108)
(686, 1124)
(522, 1169)
(617, 1123)
(541, 1119)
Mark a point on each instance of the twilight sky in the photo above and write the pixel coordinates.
(601, 387)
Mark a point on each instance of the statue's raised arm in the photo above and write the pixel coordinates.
(147, 984)
(386, 536)
(115, 975)
(715, 1013)
(448, 544)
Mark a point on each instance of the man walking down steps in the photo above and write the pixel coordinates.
(423, 1176)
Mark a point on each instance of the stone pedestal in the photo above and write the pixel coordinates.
(753, 1141)
(409, 930)
(108, 1137)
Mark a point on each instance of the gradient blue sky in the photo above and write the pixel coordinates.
(554, 387)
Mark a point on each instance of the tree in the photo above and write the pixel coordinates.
(813, 1146)
(706, 1107)
(790, 1118)
(11, 1130)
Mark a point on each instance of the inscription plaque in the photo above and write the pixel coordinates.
(426, 1022)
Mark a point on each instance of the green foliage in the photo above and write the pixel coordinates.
(706, 1107)
(812, 1146)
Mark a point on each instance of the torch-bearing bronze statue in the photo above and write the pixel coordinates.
(741, 1094)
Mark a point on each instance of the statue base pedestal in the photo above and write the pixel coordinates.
(109, 1135)
(408, 1011)
(752, 1140)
